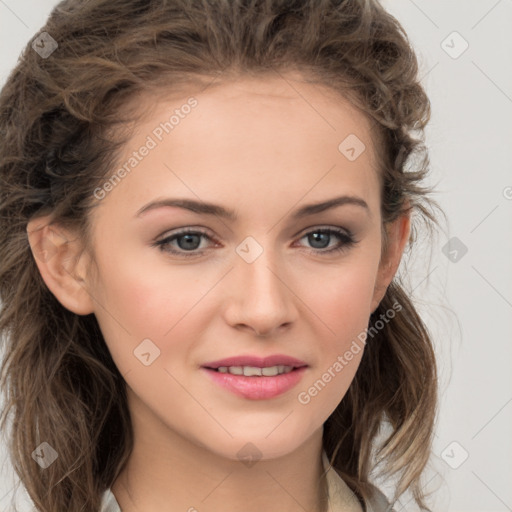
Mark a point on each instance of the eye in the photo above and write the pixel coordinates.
(319, 238)
(187, 240)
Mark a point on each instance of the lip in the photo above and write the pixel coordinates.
(258, 362)
(256, 388)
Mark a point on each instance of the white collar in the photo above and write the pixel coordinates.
(341, 497)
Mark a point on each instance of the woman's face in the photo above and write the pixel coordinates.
(262, 150)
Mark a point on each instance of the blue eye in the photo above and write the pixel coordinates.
(320, 236)
(188, 241)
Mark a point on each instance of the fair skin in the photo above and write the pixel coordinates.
(259, 148)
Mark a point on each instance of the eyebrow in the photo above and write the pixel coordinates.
(217, 210)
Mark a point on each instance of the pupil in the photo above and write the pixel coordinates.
(314, 239)
(187, 243)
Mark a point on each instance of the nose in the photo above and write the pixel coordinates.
(259, 299)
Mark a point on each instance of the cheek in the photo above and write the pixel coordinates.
(162, 304)
(341, 306)
(341, 297)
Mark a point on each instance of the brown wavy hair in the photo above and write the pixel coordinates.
(60, 132)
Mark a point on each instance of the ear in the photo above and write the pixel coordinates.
(62, 263)
(398, 234)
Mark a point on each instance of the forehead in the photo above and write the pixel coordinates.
(270, 96)
(249, 134)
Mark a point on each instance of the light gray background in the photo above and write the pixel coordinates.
(467, 303)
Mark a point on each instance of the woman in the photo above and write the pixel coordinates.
(204, 207)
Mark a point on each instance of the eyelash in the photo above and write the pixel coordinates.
(345, 236)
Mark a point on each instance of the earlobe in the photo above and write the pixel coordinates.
(62, 267)
(398, 235)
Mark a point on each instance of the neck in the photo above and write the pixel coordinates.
(166, 472)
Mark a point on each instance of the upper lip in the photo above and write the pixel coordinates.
(258, 362)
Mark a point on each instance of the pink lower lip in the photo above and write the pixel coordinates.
(257, 388)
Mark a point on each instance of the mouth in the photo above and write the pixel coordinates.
(253, 364)
(255, 383)
(255, 371)
(256, 378)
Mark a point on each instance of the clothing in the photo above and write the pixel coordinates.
(337, 488)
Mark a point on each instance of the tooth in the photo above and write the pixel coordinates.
(249, 371)
(270, 372)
